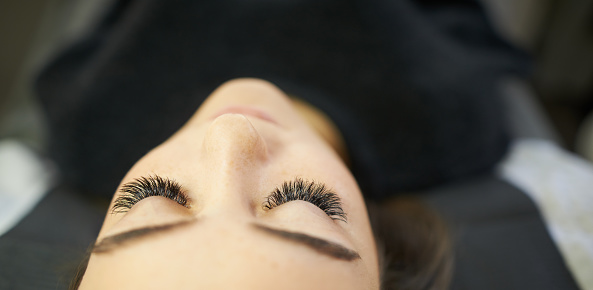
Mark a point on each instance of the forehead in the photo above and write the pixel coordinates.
(221, 259)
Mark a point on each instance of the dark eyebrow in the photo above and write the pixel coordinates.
(320, 245)
(109, 243)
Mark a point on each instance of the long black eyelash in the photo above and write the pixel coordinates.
(315, 193)
(144, 187)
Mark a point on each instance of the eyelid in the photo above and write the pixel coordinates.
(144, 187)
(315, 193)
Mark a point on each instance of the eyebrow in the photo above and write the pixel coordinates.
(112, 242)
(322, 246)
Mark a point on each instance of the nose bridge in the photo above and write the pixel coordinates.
(235, 155)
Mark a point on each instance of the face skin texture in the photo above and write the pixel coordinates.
(243, 142)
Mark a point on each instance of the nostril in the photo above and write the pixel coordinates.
(246, 110)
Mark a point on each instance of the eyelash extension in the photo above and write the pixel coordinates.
(144, 187)
(309, 191)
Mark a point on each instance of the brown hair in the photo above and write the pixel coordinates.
(80, 270)
(414, 245)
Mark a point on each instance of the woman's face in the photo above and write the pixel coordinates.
(244, 142)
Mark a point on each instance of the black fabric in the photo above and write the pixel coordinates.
(415, 81)
(412, 85)
(500, 239)
(43, 250)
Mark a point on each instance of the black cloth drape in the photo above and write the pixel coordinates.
(413, 85)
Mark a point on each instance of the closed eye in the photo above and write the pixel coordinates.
(144, 187)
(315, 193)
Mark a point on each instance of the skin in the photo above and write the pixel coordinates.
(227, 165)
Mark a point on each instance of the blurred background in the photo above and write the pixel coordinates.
(557, 33)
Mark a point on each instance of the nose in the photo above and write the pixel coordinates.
(235, 156)
(233, 142)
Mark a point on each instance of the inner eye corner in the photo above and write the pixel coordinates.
(187, 205)
(116, 211)
(266, 205)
